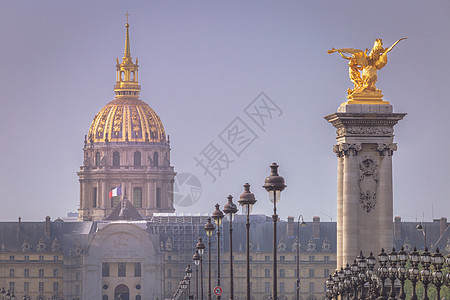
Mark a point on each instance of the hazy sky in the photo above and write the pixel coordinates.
(201, 64)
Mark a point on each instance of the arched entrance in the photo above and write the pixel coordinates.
(121, 292)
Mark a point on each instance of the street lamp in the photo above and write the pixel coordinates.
(393, 259)
(437, 275)
(230, 210)
(218, 216)
(187, 282)
(425, 273)
(201, 248)
(247, 200)
(196, 259)
(383, 272)
(402, 272)
(209, 228)
(274, 185)
(422, 228)
(302, 224)
(188, 271)
(414, 272)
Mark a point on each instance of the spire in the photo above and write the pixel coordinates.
(127, 52)
(127, 84)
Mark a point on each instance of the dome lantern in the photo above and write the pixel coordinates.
(127, 85)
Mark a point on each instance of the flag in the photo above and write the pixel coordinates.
(115, 192)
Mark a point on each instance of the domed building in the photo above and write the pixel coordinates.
(126, 153)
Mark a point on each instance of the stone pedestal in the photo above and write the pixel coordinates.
(365, 145)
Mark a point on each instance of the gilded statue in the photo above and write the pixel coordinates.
(362, 67)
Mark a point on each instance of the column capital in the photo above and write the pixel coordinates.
(387, 149)
(346, 149)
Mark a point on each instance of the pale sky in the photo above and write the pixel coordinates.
(201, 64)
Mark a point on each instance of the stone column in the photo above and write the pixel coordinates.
(102, 195)
(340, 178)
(364, 185)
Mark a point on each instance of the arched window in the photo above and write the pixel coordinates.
(116, 159)
(155, 159)
(97, 158)
(121, 292)
(137, 159)
(138, 297)
(137, 197)
(105, 297)
(132, 76)
(122, 74)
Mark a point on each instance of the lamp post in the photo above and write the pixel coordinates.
(347, 280)
(274, 185)
(302, 224)
(196, 258)
(362, 265)
(218, 216)
(188, 271)
(209, 228)
(247, 200)
(187, 281)
(201, 248)
(230, 210)
(393, 258)
(383, 272)
(371, 275)
(422, 228)
(437, 275)
(414, 272)
(425, 273)
(184, 283)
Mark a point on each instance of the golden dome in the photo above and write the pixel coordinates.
(123, 120)
(127, 118)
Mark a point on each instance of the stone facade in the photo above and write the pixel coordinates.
(81, 260)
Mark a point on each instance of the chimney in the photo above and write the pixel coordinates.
(397, 228)
(47, 226)
(290, 226)
(443, 225)
(19, 225)
(316, 227)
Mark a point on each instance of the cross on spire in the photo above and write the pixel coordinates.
(127, 14)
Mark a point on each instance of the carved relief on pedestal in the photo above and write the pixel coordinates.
(368, 182)
(365, 130)
(346, 149)
(387, 149)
